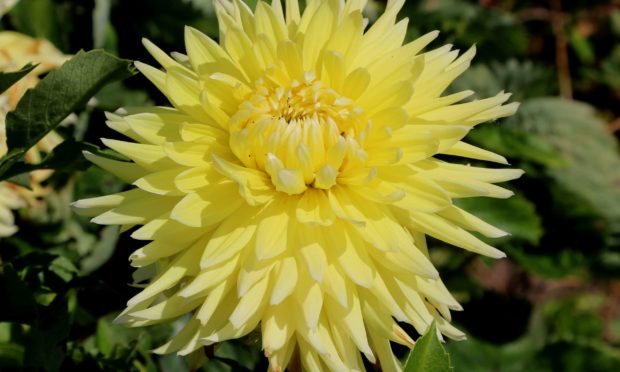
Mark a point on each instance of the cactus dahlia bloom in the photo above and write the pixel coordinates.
(16, 50)
(292, 184)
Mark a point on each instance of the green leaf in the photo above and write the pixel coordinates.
(67, 156)
(524, 80)
(101, 251)
(428, 355)
(516, 215)
(9, 78)
(101, 22)
(60, 93)
(44, 346)
(579, 159)
(37, 18)
(11, 355)
(582, 46)
(591, 174)
(480, 356)
(20, 305)
(555, 264)
(515, 143)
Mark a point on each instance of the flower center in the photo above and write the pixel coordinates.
(303, 135)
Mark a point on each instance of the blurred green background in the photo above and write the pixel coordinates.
(553, 305)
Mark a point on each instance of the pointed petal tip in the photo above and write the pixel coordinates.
(121, 319)
(403, 336)
(147, 43)
(110, 115)
(498, 233)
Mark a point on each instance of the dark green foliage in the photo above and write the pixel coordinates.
(59, 94)
(428, 354)
(9, 78)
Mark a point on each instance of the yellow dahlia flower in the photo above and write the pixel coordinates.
(16, 50)
(293, 182)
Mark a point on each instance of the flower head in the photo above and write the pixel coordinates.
(293, 183)
(16, 50)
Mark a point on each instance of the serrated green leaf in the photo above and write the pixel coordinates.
(577, 153)
(60, 93)
(592, 173)
(9, 78)
(428, 355)
(517, 144)
(524, 80)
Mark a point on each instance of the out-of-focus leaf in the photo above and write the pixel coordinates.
(172, 362)
(109, 336)
(584, 156)
(524, 80)
(244, 353)
(428, 354)
(574, 324)
(19, 304)
(206, 6)
(480, 356)
(116, 95)
(66, 157)
(9, 78)
(516, 215)
(614, 18)
(554, 264)
(59, 94)
(582, 47)
(36, 18)
(593, 173)
(515, 143)
(497, 34)
(101, 251)
(44, 347)
(607, 72)
(118, 344)
(102, 30)
(11, 355)
(11, 351)
(64, 268)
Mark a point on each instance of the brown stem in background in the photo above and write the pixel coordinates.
(561, 50)
(534, 14)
